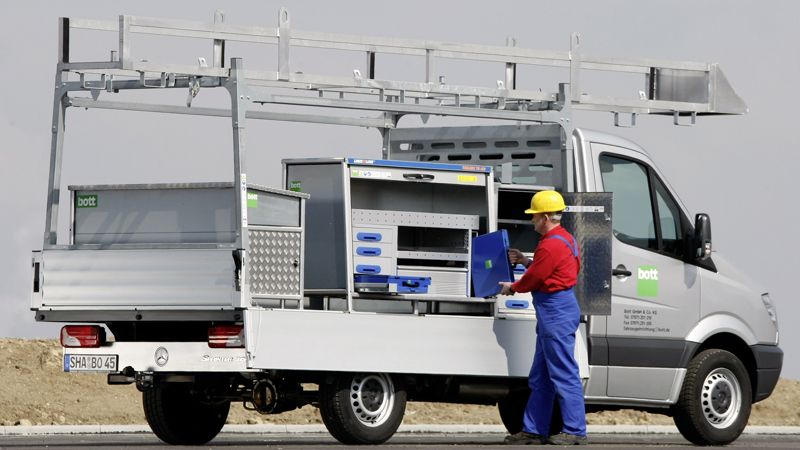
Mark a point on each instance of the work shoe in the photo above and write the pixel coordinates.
(525, 438)
(567, 439)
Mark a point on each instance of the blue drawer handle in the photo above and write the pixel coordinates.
(410, 283)
(376, 237)
(365, 268)
(368, 251)
(516, 304)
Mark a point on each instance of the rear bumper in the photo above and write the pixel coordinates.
(769, 361)
(170, 356)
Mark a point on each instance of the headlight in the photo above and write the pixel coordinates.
(773, 313)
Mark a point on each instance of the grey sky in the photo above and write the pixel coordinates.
(737, 169)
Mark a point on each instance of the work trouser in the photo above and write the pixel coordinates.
(554, 374)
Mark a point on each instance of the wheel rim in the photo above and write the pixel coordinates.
(721, 398)
(372, 398)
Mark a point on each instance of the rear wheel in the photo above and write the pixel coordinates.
(362, 409)
(512, 408)
(714, 403)
(179, 417)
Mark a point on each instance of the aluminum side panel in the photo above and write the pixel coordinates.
(154, 215)
(127, 279)
(651, 383)
(396, 343)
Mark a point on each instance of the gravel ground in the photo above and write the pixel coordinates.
(35, 391)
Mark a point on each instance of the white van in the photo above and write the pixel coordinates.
(215, 292)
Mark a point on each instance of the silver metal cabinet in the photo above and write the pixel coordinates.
(376, 216)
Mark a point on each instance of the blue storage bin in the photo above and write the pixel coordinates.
(409, 285)
(396, 284)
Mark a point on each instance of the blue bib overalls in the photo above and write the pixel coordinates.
(554, 373)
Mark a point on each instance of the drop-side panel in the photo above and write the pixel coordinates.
(128, 279)
(395, 343)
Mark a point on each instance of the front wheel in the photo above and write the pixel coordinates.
(179, 417)
(714, 403)
(512, 408)
(362, 409)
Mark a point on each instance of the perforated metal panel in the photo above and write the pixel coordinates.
(588, 218)
(415, 219)
(274, 263)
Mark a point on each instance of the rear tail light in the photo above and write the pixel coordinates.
(91, 336)
(226, 336)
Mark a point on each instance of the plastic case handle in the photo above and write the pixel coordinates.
(517, 304)
(374, 237)
(368, 251)
(364, 268)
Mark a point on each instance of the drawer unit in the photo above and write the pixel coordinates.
(377, 265)
(367, 216)
(443, 280)
(374, 249)
(373, 233)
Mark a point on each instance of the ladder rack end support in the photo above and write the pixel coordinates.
(676, 119)
(618, 123)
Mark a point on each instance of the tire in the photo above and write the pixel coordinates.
(512, 408)
(179, 418)
(715, 400)
(362, 409)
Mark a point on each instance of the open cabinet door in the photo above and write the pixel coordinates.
(588, 218)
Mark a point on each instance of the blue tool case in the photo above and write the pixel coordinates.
(392, 284)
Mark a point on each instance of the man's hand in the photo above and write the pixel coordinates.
(506, 288)
(516, 257)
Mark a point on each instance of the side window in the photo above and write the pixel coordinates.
(639, 198)
(669, 216)
(633, 210)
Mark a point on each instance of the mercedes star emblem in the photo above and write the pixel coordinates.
(162, 356)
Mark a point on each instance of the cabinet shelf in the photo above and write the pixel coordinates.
(432, 255)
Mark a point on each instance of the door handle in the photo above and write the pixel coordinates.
(621, 271)
(418, 176)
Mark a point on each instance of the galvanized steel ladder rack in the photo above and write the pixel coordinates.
(670, 88)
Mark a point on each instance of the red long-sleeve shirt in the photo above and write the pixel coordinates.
(554, 267)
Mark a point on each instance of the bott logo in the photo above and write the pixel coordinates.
(647, 281)
(86, 201)
(648, 274)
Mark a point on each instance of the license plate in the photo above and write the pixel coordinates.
(90, 363)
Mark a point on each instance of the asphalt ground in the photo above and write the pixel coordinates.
(409, 437)
(399, 441)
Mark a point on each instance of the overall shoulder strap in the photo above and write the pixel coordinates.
(573, 246)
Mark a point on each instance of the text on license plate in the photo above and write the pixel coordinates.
(90, 363)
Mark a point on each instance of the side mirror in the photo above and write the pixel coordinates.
(702, 236)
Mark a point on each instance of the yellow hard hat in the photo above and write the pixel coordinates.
(545, 202)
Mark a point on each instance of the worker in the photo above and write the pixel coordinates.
(554, 374)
